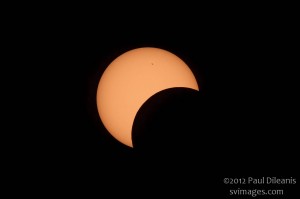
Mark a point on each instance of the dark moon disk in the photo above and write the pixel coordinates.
(171, 123)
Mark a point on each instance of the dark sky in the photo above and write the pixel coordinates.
(242, 123)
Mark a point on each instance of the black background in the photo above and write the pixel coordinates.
(243, 62)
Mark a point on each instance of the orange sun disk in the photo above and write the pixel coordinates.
(131, 79)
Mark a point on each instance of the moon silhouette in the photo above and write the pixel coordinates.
(131, 79)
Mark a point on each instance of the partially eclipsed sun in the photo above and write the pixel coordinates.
(130, 80)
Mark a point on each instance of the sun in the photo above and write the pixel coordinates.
(131, 79)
